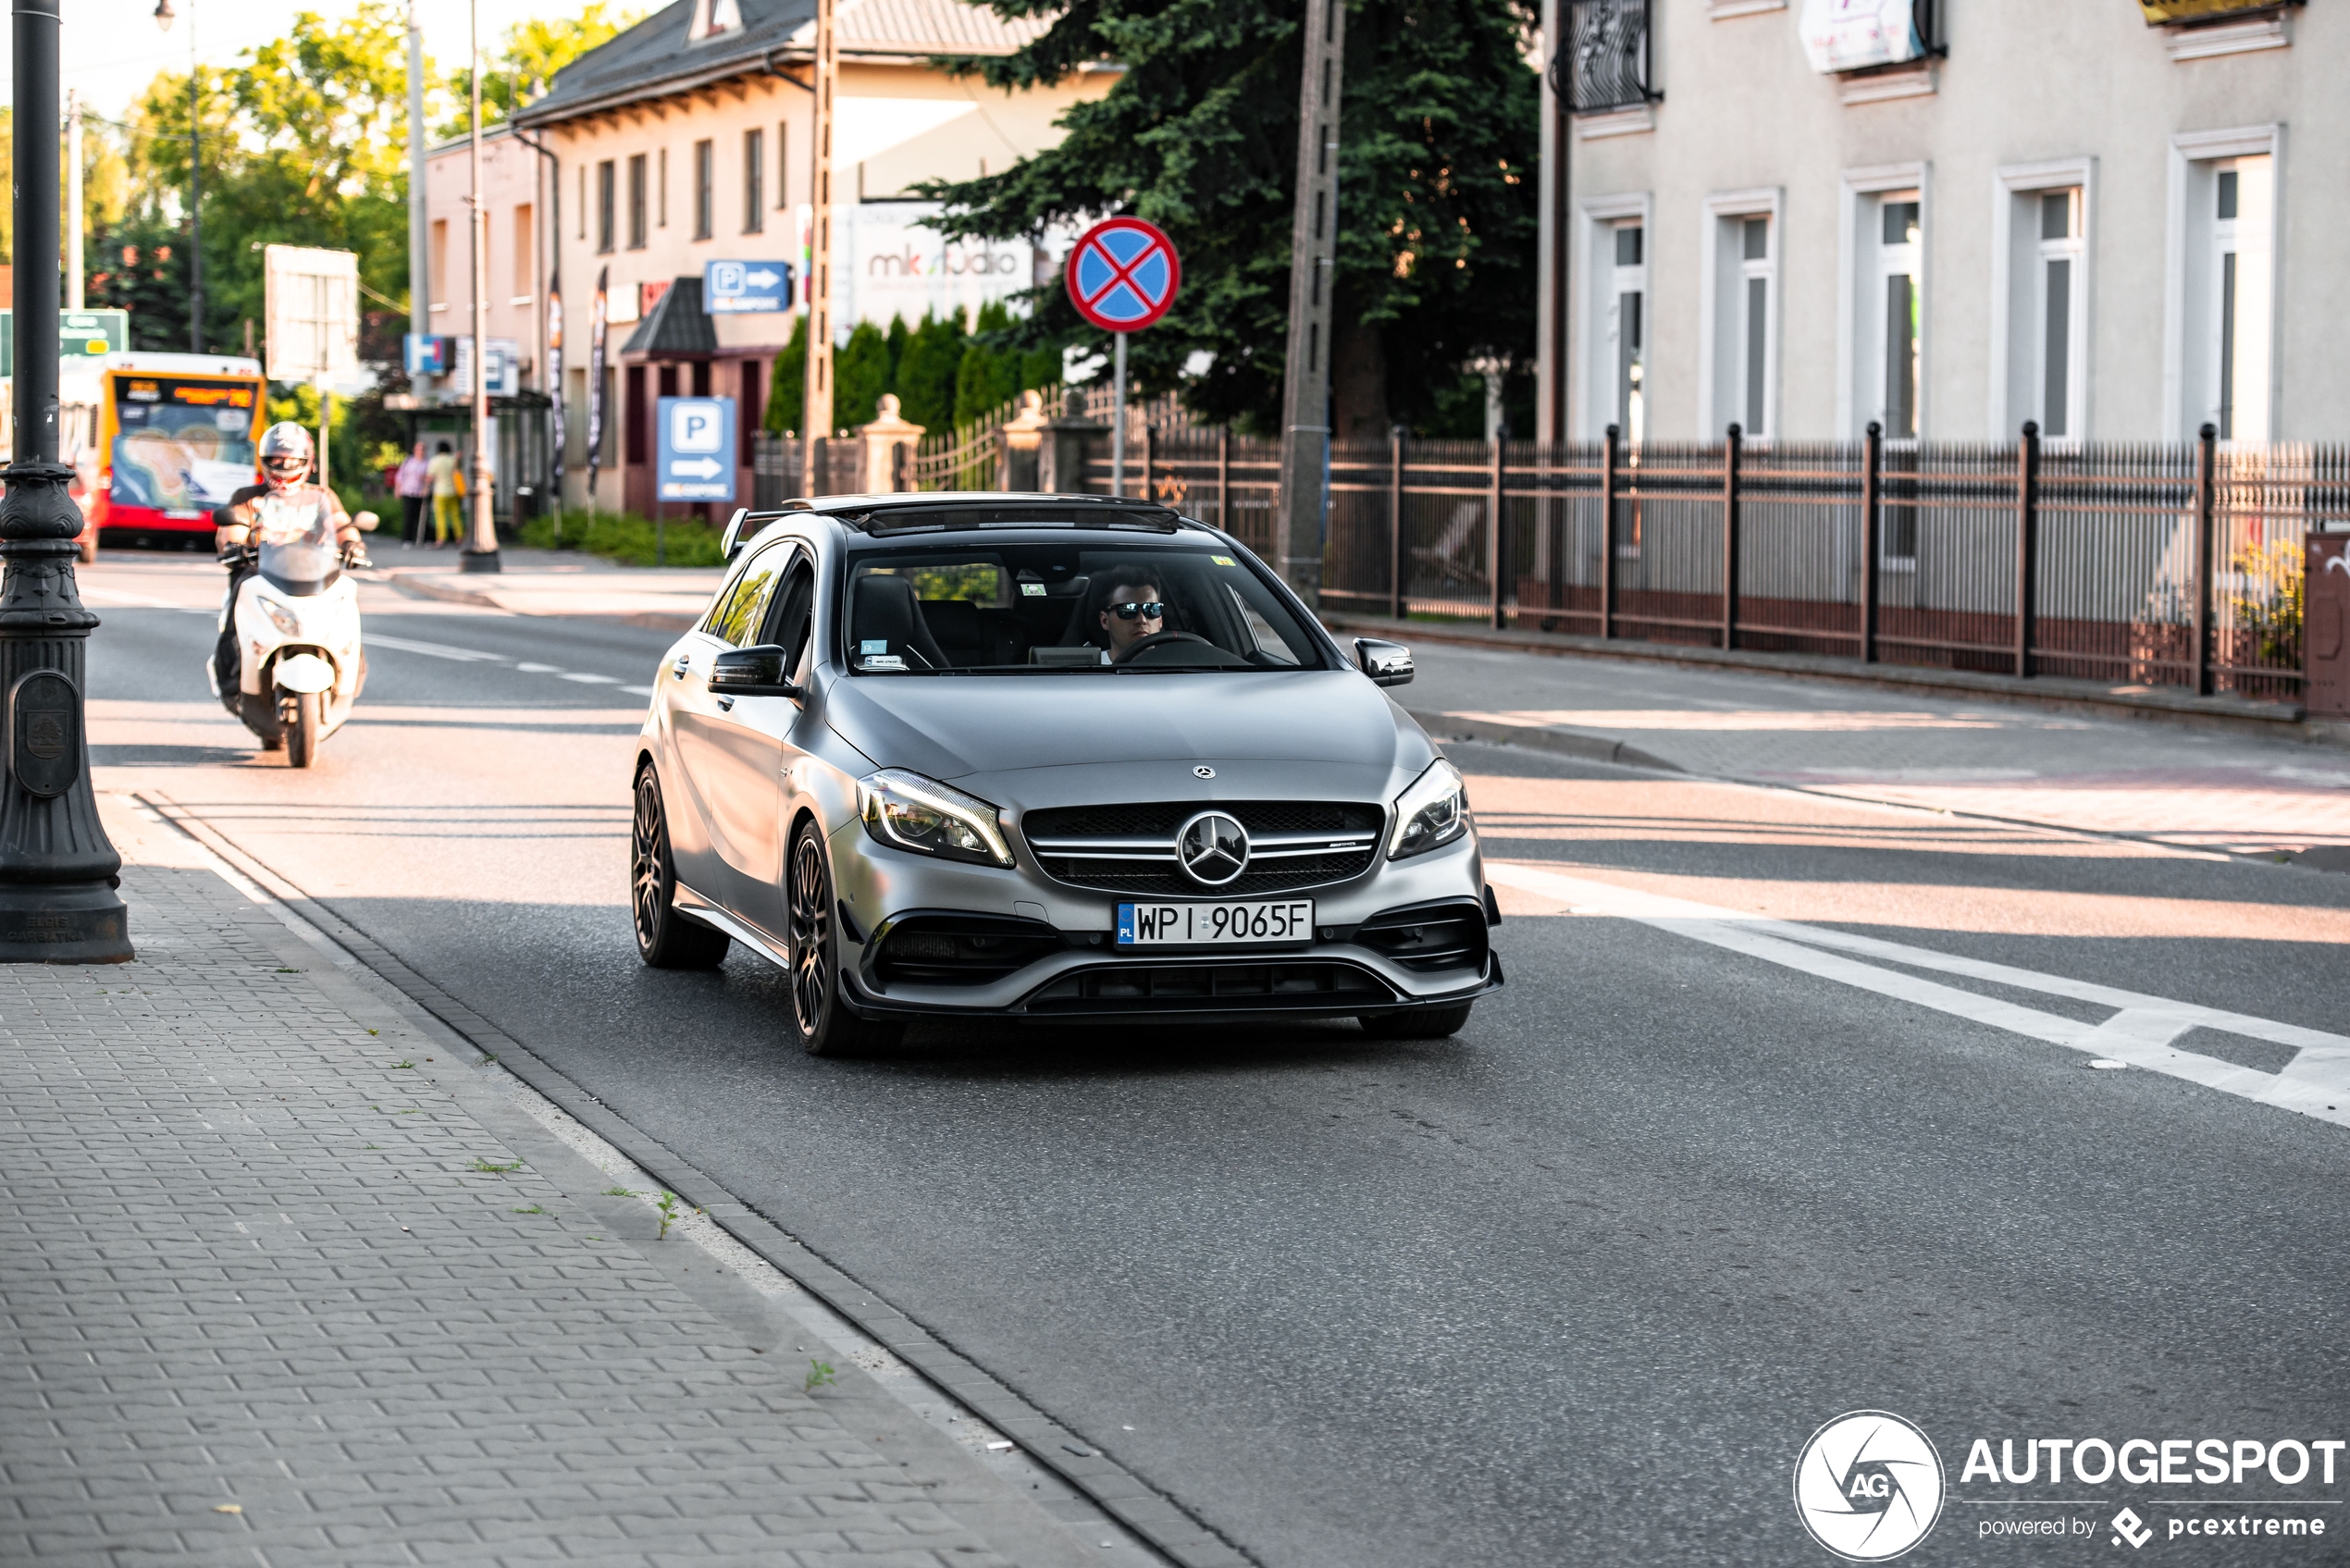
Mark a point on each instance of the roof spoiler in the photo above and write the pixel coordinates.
(740, 528)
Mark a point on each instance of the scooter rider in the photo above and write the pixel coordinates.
(285, 507)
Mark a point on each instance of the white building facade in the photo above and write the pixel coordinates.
(2120, 220)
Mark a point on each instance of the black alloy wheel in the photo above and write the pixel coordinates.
(1421, 1023)
(821, 1021)
(665, 939)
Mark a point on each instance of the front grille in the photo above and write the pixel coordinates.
(1131, 849)
(1204, 987)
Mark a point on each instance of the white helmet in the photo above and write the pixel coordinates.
(283, 442)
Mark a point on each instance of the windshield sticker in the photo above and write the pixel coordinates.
(1223, 561)
(871, 645)
(884, 662)
(1032, 590)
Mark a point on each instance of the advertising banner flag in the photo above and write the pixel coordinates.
(1843, 35)
(596, 382)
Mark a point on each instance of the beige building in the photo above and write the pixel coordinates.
(514, 260)
(2121, 220)
(685, 142)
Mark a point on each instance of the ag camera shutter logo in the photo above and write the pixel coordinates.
(1868, 1486)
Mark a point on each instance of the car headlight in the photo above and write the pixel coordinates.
(285, 620)
(1433, 811)
(905, 810)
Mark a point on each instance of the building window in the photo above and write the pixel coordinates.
(2238, 299)
(637, 202)
(526, 255)
(705, 188)
(715, 19)
(604, 207)
(1628, 330)
(1739, 378)
(662, 217)
(439, 292)
(1887, 367)
(582, 208)
(2058, 277)
(754, 180)
(783, 165)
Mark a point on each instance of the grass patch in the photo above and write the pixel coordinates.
(627, 537)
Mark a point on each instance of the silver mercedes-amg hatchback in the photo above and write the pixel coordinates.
(1047, 757)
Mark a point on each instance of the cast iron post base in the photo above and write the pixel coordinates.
(57, 868)
(478, 560)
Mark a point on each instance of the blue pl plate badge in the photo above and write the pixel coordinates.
(1126, 922)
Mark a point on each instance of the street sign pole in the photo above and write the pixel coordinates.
(1118, 431)
(57, 871)
(481, 554)
(816, 420)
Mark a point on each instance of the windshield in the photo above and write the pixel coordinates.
(297, 540)
(935, 608)
(184, 446)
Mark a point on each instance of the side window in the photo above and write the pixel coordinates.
(740, 612)
(794, 618)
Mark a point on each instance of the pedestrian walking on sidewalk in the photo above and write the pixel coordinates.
(448, 487)
(413, 485)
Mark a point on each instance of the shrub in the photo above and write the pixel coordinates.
(627, 537)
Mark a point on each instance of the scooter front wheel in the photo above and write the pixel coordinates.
(303, 728)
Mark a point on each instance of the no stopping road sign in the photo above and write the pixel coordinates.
(1123, 274)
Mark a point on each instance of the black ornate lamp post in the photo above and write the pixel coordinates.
(57, 871)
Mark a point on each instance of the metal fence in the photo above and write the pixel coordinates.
(2147, 566)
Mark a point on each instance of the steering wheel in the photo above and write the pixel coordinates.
(1156, 640)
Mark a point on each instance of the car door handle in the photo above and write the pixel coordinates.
(685, 662)
(725, 704)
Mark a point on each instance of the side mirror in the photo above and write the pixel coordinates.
(756, 670)
(1387, 663)
(732, 541)
(365, 522)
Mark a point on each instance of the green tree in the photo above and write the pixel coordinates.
(1199, 135)
(304, 143)
(861, 375)
(926, 373)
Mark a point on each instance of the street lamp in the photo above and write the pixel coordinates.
(164, 17)
(57, 871)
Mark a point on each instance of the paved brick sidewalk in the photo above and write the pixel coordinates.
(2166, 781)
(268, 1293)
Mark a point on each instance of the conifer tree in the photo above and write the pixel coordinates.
(1436, 192)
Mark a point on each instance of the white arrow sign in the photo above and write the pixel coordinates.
(699, 468)
(763, 279)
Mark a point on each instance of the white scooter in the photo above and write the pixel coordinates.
(293, 612)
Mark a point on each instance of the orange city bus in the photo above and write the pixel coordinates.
(176, 434)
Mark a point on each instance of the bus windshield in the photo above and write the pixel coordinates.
(181, 444)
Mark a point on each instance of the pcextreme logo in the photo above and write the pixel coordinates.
(1868, 1486)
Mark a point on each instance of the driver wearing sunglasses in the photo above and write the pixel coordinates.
(1134, 611)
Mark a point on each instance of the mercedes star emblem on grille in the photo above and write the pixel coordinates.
(1213, 848)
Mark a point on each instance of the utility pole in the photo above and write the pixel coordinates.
(162, 15)
(74, 297)
(1305, 391)
(57, 871)
(419, 282)
(817, 423)
(481, 555)
(1551, 278)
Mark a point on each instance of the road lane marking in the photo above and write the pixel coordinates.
(144, 602)
(2141, 1030)
(587, 679)
(435, 649)
(638, 691)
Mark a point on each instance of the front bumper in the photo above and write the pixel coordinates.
(1064, 962)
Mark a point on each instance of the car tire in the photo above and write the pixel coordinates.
(665, 938)
(1421, 1023)
(820, 1020)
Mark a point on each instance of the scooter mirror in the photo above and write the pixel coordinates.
(365, 522)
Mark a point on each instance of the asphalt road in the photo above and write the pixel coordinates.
(1573, 1287)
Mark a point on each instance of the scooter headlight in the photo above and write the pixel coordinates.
(905, 810)
(1433, 811)
(282, 618)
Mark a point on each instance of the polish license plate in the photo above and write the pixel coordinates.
(1215, 925)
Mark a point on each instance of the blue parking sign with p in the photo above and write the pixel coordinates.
(694, 455)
